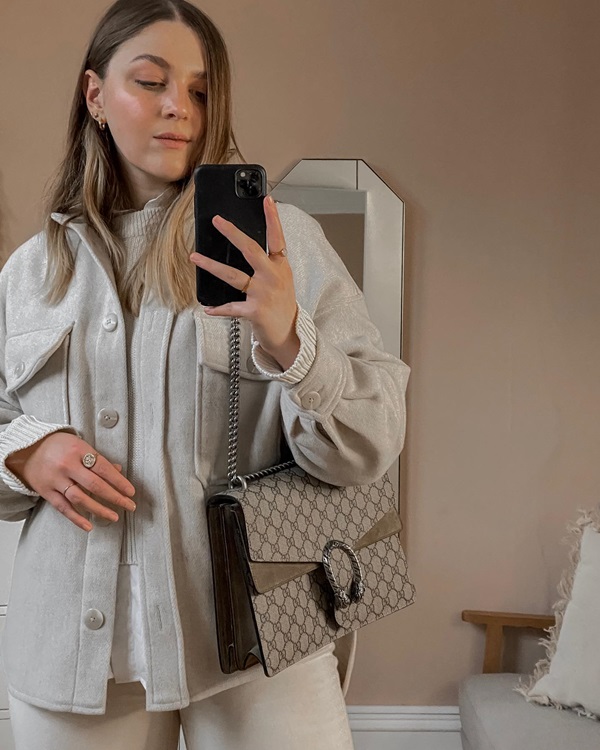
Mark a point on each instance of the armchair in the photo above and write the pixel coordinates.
(495, 717)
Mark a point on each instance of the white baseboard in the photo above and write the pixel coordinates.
(405, 727)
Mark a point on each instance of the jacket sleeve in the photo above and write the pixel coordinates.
(343, 400)
(17, 431)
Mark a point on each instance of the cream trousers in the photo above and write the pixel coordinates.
(301, 707)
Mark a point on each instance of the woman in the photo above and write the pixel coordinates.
(113, 406)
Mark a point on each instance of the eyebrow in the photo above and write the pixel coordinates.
(162, 63)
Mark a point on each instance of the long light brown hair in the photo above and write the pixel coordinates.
(89, 183)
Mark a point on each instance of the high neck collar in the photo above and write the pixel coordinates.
(130, 218)
(163, 199)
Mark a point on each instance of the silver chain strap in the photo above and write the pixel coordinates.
(342, 598)
(234, 409)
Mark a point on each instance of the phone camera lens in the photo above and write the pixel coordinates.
(249, 183)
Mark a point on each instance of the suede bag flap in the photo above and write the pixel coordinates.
(286, 527)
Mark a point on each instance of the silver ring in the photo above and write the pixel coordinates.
(89, 460)
(67, 487)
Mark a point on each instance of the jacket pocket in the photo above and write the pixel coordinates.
(36, 366)
(213, 346)
(259, 422)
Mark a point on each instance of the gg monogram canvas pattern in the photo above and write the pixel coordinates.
(288, 517)
(298, 618)
(300, 514)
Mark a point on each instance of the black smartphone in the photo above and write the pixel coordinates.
(236, 192)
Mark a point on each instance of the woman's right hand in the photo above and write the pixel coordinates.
(54, 462)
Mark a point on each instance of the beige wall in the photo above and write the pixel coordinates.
(483, 116)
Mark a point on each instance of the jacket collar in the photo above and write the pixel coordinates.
(82, 230)
(163, 199)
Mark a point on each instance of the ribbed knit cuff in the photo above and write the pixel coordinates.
(267, 365)
(21, 433)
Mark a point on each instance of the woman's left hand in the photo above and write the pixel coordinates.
(270, 303)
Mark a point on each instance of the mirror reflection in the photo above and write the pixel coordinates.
(205, 487)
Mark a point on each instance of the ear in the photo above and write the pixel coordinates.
(92, 91)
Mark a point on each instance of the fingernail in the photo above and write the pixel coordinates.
(270, 200)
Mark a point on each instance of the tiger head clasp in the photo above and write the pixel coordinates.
(343, 599)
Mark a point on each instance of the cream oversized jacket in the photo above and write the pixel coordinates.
(341, 407)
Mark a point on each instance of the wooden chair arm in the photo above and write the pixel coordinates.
(495, 623)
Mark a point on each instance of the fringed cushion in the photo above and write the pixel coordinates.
(569, 676)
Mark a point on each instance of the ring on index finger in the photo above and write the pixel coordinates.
(89, 460)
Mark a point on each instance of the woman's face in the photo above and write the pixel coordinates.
(142, 99)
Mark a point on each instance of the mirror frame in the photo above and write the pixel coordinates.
(346, 186)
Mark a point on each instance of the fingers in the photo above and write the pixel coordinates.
(105, 481)
(54, 466)
(62, 505)
(232, 276)
(89, 480)
(106, 470)
(275, 236)
(78, 499)
(250, 249)
(230, 309)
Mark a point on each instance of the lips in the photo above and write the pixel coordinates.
(172, 137)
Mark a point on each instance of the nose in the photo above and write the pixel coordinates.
(176, 101)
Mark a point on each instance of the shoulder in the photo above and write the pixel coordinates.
(302, 230)
(29, 256)
(295, 219)
(24, 272)
(319, 272)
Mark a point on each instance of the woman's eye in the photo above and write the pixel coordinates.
(150, 83)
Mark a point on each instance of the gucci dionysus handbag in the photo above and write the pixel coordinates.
(297, 563)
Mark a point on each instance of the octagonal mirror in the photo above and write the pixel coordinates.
(363, 219)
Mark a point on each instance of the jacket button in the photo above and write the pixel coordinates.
(93, 619)
(110, 322)
(19, 369)
(311, 400)
(108, 417)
